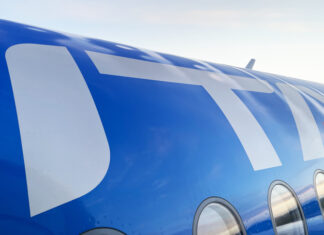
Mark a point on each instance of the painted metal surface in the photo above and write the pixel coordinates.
(173, 132)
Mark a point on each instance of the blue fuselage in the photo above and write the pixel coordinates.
(138, 139)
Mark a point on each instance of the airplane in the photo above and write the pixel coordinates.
(104, 138)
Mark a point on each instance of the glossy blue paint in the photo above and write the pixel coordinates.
(171, 148)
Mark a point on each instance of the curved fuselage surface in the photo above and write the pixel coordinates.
(99, 134)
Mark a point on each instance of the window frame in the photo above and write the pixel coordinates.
(222, 202)
(106, 229)
(316, 192)
(299, 205)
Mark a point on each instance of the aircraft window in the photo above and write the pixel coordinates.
(217, 216)
(103, 231)
(287, 214)
(319, 187)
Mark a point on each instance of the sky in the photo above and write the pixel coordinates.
(285, 37)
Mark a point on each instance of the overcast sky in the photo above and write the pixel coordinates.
(285, 37)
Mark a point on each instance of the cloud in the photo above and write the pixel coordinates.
(213, 15)
(209, 17)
